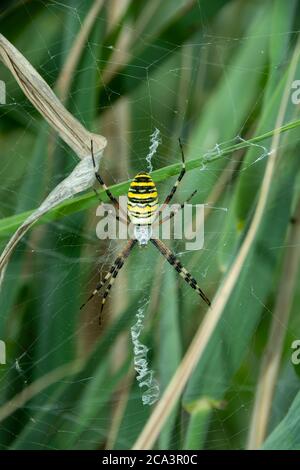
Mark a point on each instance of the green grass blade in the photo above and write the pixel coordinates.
(9, 224)
(287, 434)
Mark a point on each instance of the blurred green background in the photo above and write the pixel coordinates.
(213, 72)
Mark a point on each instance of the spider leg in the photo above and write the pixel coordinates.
(112, 273)
(171, 258)
(181, 175)
(173, 213)
(119, 263)
(117, 216)
(103, 185)
(101, 283)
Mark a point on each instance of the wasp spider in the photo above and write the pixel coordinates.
(143, 213)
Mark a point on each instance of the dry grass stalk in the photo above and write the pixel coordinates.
(272, 355)
(46, 102)
(69, 129)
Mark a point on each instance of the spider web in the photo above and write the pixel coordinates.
(58, 264)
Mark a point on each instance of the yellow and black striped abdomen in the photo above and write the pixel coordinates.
(142, 199)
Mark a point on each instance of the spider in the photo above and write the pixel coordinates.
(143, 213)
